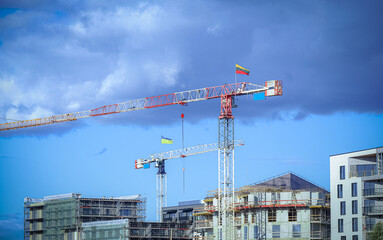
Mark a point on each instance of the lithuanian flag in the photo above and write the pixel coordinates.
(165, 140)
(241, 70)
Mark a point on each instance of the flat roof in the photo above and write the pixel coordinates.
(355, 151)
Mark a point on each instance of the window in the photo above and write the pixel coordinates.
(272, 215)
(245, 233)
(343, 238)
(355, 207)
(368, 206)
(276, 231)
(245, 218)
(296, 231)
(366, 170)
(340, 191)
(369, 188)
(343, 208)
(292, 215)
(342, 172)
(370, 222)
(340, 225)
(355, 224)
(253, 218)
(255, 232)
(354, 191)
(354, 237)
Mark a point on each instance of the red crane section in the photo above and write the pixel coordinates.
(225, 92)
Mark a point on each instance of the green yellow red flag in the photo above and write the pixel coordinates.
(241, 70)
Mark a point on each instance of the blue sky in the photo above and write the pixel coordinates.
(68, 56)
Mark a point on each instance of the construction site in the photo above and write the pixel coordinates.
(226, 199)
(285, 207)
(191, 120)
(282, 207)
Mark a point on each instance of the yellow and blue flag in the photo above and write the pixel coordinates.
(165, 140)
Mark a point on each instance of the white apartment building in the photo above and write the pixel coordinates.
(356, 180)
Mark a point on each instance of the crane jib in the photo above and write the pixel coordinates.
(271, 88)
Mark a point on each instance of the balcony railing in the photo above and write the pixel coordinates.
(373, 210)
(373, 192)
(320, 235)
(281, 203)
(320, 218)
(204, 224)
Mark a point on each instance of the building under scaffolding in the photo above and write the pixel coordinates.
(126, 230)
(182, 213)
(60, 217)
(284, 207)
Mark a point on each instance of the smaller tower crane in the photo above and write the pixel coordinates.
(159, 160)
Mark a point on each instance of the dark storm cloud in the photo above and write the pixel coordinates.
(66, 57)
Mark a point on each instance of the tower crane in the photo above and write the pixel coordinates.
(159, 160)
(227, 93)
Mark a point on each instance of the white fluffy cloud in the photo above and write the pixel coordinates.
(95, 57)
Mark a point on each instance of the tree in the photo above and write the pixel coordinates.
(377, 232)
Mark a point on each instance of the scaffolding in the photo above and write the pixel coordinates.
(105, 230)
(257, 207)
(101, 209)
(160, 231)
(62, 215)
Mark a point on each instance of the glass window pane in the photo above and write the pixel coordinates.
(276, 231)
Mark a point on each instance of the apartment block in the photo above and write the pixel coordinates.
(356, 193)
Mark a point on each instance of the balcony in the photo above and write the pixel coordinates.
(320, 219)
(320, 235)
(373, 192)
(373, 210)
(365, 170)
(204, 224)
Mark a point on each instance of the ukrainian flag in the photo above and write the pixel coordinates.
(165, 140)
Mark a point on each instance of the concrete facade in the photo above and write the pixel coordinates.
(356, 181)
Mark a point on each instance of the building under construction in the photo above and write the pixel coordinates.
(127, 230)
(285, 207)
(61, 217)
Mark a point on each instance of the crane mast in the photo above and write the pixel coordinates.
(159, 160)
(225, 204)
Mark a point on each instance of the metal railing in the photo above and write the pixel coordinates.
(378, 210)
(204, 224)
(319, 218)
(282, 203)
(373, 192)
(363, 173)
(320, 235)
